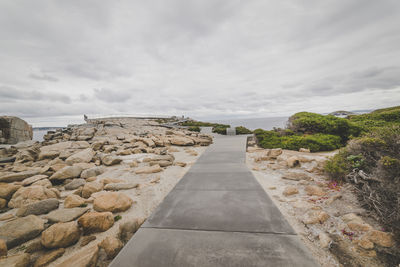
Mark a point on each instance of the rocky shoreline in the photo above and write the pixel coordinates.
(77, 197)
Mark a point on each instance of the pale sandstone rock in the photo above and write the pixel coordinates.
(21, 230)
(37, 208)
(3, 248)
(90, 188)
(181, 141)
(85, 155)
(49, 257)
(316, 216)
(19, 176)
(67, 173)
(293, 162)
(110, 160)
(61, 235)
(92, 222)
(129, 228)
(290, 190)
(50, 154)
(364, 243)
(7, 190)
(73, 201)
(33, 179)
(87, 239)
(83, 258)
(66, 215)
(19, 260)
(45, 183)
(152, 169)
(111, 246)
(296, 176)
(120, 186)
(74, 184)
(306, 150)
(31, 194)
(324, 240)
(94, 171)
(112, 201)
(313, 190)
(380, 238)
(181, 164)
(106, 181)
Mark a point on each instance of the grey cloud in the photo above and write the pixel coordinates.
(10, 93)
(112, 95)
(44, 77)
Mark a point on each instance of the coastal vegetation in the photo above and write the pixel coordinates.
(216, 127)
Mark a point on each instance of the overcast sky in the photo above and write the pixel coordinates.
(206, 58)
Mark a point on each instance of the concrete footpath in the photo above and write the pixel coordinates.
(217, 215)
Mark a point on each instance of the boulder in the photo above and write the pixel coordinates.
(87, 239)
(27, 154)
(32, 194)
(162, 163)
(90, 188)
(111, 246)
(112, 201)
(19, 260)
(61, 235)
(45, 183)
(306, 150)
(37, 208)
(74, 184)
(35, 178)
(83, 258)
(14, 130)
(85, 155)
(296, 176)
(148, 169)
(21, 230)
(48, 257)
(92, 222)
(67, 173)
(120, 186)
(66, 215)
(181, 164)
(181, 141)
(7, 190)
(19, 176)
(109, 160)
(73, 201)
(48, 154)
(94, 171)
(290, 190)
(313, 190)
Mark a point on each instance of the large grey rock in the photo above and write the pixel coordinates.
(18, 176)
(67, 173)
(74, 184)
(37, 208)
(14, 130)
(21, 230)
(85, 155)
(66, 215)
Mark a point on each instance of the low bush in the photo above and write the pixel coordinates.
(372, 164)
(242, 130)
(194, 128)
(220, 129)
(315, 142)
(311, 123)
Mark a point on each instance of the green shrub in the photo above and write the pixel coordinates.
(220, 129)
(338, 166)
(203, 124)
(194, 128)
(307, 122)
(243, 130)
(316, 142)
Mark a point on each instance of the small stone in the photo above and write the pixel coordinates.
(324, 240)
(111, 246)
(74, 184)
(87, 239)
(364, 243)
(180, 164)
(34, 246)
(6, 217)
(293, 162)
(73, 201)
(3, 203)
(120, 186)
(272, 187)
(305, 150)
(90, 188)
(316, 216)
(112, 201)
(49, 257)
(290, 190)
(7, 190)
(296, 176)
(152, 169)
(313, 190)
(67, 172)
(66, 215)
(94, 171)
(93, 222)
(110, 160)
(61, 235)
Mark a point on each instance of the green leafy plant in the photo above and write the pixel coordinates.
(117, 218)
(194, 128)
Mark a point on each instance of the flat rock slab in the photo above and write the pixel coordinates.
(165, 247)
(239, 211)
(66, 215)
